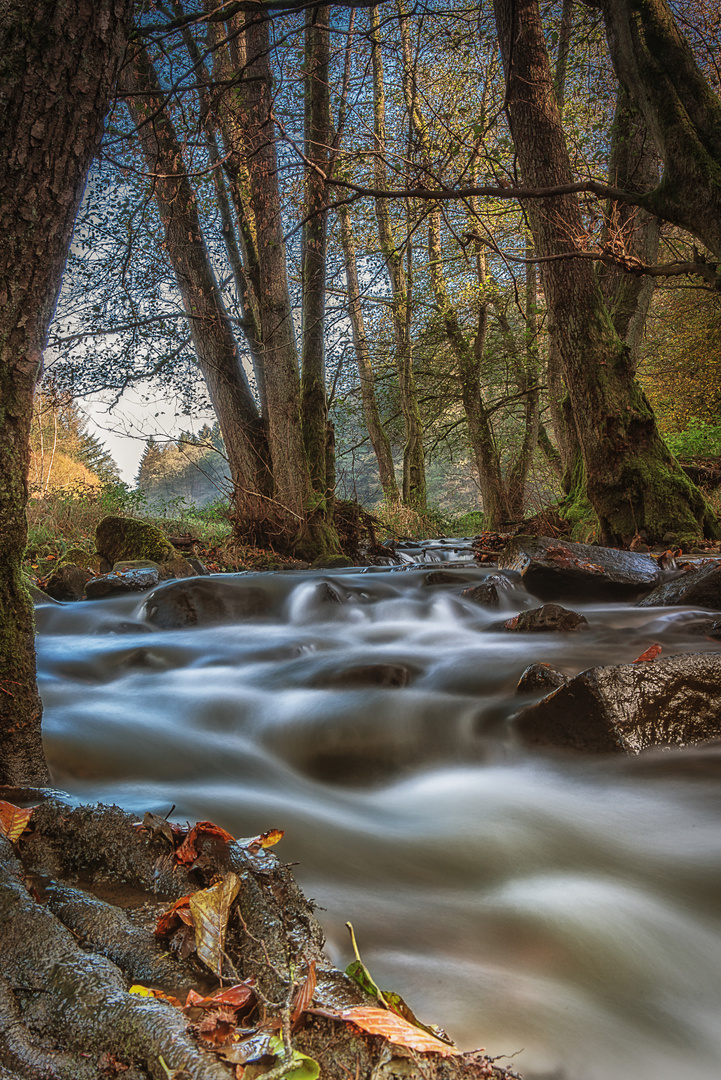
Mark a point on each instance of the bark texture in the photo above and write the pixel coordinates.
(632, 481)
(655, 63)
(215, 347)
(58, 64)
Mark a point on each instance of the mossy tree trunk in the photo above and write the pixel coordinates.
(655, 64)
(215, 347)
(314, 406)
(58, 63)
(632, 481)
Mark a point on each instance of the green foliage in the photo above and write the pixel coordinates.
(700, 439)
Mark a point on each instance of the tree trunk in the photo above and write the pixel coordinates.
(683, 114)
(215, 346)
(631, 480)
(414, 473)
(526, 376)
(313, 258)
(379, 439)
(58, 64)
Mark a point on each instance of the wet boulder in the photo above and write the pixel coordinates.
(117, 582)
(205, 602)
(551, 568)
(485, 594)
(540, 678)
(68, 582)
(700, 587)
(446, 577)
(121, 538)
(674, 701)
(549, 617)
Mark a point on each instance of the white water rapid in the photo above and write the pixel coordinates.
(563, 909)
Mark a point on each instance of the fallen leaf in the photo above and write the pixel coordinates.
(233, 996)
(187, 853)
(210, 909)
(254, 844)
(170, 919)
(651, 653)
(13, 820)
(397, 1030)
(304, 994)
(360, 973)
(147, 991)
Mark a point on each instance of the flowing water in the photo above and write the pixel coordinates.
(563, 909)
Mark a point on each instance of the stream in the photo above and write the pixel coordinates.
(562, 909)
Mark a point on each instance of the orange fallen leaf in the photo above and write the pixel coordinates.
(234, 997)
(13, 820)
(147, 991)
(188, 852)
(397, 1030)
(304, 994)
(179, 912)
(255, 844)
(651, 653)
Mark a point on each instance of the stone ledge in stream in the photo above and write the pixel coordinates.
(697, 587)
(205, 602)
(553, 569)
(674, 701)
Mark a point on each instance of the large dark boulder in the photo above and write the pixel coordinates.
(205, 602)
(551, 569)
(674, 701)
(68, 582)
(700, 587)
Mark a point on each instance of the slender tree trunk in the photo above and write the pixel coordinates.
(379, 439)
(526, 375)
(414, 473)
(632, 481)
(313, 258)
(58, 64)
(215, 347)
(629, 230)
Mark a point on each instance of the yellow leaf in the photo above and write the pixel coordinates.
(13, 820)
(210, 909)
(397, 1030)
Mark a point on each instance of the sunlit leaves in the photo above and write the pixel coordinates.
(13, 820)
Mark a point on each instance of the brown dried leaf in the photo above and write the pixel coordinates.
(234, 997)
(179, 913)
(304, 994)
(651, 653)
(397, 1030)
(188, 852)
(13, 820)
(210, 909)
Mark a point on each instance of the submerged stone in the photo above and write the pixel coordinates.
(551, 568)
(205, 602)
(674, 701)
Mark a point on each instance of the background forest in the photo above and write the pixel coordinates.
(236, 252)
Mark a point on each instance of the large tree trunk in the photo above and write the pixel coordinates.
(379, 440)
(58, 64)
(313, 263)
(414, 473)
(632, 481)
(215, 347)
(683, 114)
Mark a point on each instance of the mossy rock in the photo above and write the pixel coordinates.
(120, 538)
(84, 557)
(331, 561)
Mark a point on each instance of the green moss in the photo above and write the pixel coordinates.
(120, 538)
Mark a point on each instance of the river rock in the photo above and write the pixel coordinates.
(67, 582)
(205, 602)
(115, 583)
(700, 587)
(552, 568)
(446, 577)
(367, 675)
(549, 617)
(675, 701)
(121, 538)
(539, 677)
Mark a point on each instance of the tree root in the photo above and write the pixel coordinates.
(79, 899)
